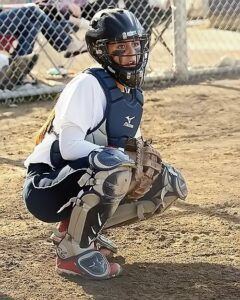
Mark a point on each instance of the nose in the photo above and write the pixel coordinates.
(132, 55)
(131, 49)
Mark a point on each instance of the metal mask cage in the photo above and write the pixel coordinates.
(141, 57)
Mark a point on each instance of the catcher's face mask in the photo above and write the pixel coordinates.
(120, 44)
(125, 53)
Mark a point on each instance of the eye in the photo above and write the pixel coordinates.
(121, 46)
(136, 44)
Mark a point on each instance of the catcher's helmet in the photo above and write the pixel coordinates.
(114, 26)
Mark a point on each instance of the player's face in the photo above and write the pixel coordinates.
(125, 53)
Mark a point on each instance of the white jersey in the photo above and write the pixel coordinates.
(80, 107)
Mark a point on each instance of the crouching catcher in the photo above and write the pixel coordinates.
(91, 169)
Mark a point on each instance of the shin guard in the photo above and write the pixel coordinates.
(107, 181)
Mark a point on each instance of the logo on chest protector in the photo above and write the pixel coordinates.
(128, 123)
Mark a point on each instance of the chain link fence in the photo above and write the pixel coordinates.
(189, 39)
(213, 37)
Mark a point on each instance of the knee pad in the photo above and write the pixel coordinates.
(169, 186)
(109, 174)
(174, 182)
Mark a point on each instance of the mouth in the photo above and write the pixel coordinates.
(130, 64)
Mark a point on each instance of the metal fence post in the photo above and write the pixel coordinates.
(180, 63)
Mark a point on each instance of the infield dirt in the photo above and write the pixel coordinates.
(190, 252)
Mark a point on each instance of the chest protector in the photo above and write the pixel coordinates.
(120, 121)
(122, 115)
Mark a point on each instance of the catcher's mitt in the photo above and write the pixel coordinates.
(148, 166)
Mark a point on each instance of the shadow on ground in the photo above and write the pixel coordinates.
(5, 297)
(167, 281)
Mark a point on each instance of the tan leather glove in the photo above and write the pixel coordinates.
(148, 166)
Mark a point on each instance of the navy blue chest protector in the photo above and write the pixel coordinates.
(123, 111)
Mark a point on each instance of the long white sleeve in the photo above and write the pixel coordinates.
(80, 108)
(72, 143)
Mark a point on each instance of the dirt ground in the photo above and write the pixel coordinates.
(190, 252)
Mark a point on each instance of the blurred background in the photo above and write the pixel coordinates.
(190, 39)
